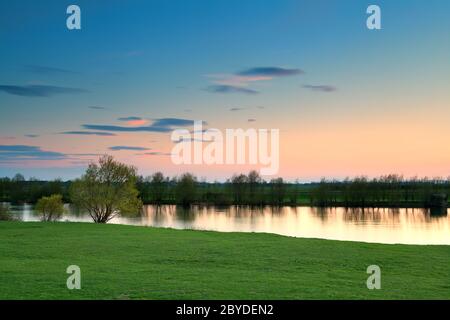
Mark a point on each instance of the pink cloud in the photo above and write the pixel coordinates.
(237, 80)
(139, 122)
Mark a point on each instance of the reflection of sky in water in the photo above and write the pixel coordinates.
(412, 226)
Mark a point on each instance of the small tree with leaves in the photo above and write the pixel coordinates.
(106, 190)
(50, 208)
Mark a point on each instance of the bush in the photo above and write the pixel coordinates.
(5, 213)
(50, 208)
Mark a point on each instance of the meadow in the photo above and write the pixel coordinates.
(128, 262)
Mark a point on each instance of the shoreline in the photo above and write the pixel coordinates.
(229, 232)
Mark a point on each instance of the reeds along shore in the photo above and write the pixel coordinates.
(251, 189)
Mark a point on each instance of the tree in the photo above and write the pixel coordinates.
(238, 188)
(158, 187)
(254, 193)
(186, 189)
(277, 191)
(106, 190)
(17, 189)
(5, 186)
(50, 208)
(18, 178)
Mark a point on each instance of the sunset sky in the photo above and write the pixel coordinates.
(347, 100)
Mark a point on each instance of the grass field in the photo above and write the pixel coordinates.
(127, 262)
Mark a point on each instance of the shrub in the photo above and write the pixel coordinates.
(5, 213)
(50, 208)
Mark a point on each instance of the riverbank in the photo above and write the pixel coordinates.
(127, 262)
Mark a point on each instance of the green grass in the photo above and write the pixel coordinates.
(126, 262)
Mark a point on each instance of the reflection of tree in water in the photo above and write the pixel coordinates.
(186, 214)
(218, 208)
(245, 214)
(250, 218)
(256, 210)
(240, 211)
(368, 214)
(390, 216)
(438, 212)
(160, 213)
(276, 210)
(323, 213)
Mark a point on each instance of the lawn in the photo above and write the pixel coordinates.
(127, 262)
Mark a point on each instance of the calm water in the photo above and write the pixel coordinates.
(411, 226)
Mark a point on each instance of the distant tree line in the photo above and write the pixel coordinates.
(240, 189)
(385, 191)
(18, 190)
(251, 189)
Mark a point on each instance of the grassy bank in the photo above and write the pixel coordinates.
(126, 262)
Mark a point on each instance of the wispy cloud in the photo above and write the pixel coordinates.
(88, 133)
(129, 118)
(183, 139)
(236, 109)
(24, 152)
(85, 154)
(31, 135)
(251, 120)
(96, 107)
(270, 72)
(39, 90)
(173, 122)
(107, 127)
(239, 81)
(158, 125)
(230, 89)
(320, 88)
(133, 121)
(47, 70)
(156, 153)
(119, 148)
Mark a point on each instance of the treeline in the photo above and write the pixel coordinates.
(18, 190)
(240, 189)
(251, 189)
(385, 191)
(185, 190)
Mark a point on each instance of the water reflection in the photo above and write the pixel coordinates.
(383, 225)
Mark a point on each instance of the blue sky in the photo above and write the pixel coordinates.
(169, 59)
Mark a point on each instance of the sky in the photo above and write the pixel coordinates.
(347, 100)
